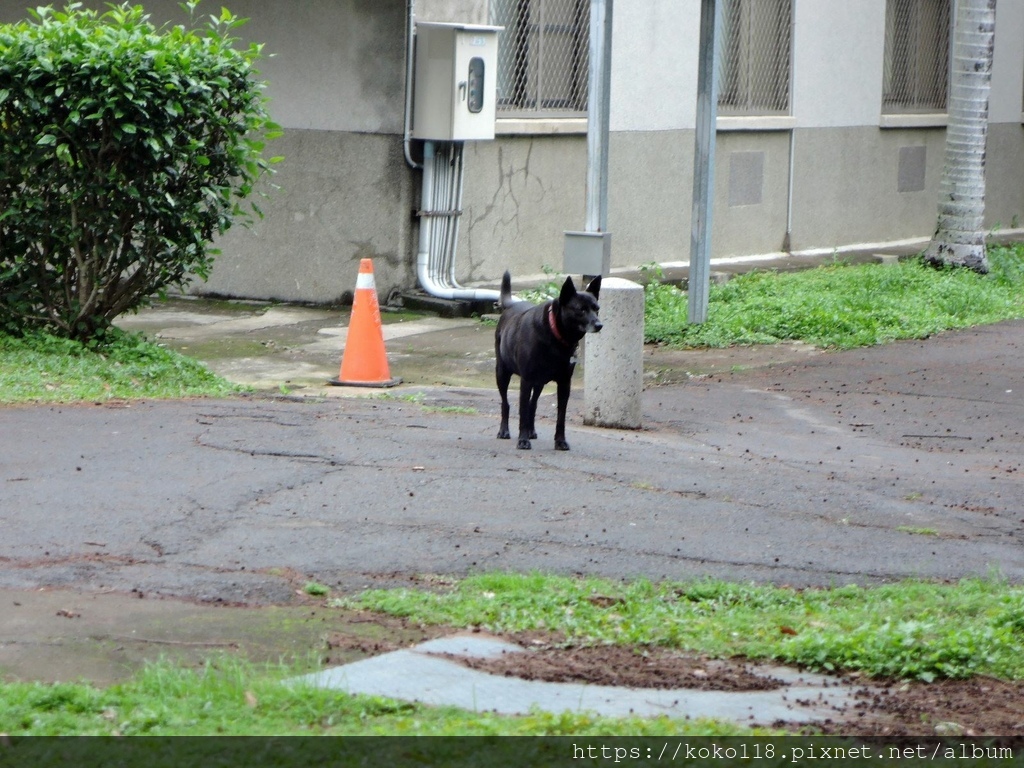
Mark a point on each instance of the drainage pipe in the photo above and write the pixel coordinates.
(441, 201)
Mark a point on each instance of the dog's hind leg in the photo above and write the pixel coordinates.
(527, 410)
(504, 376)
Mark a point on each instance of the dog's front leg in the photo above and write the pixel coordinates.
(563, 402)
(534, 397)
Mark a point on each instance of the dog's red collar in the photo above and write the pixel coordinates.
(553, 325)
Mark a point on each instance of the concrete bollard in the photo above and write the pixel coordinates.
(613, 362)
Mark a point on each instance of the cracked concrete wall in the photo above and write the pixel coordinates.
(521, 194)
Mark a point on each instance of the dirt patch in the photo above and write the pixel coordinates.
(384, 635)
(980, 706)
(977, 707)
(633, 668)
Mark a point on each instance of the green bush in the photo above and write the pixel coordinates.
(127, 149)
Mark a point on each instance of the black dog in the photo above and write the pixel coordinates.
(539, 344)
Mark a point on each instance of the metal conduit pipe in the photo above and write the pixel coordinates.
(410, 40)
(457, 206)
(451, 172)
(441, 201)
(440, 204)
(439, 220)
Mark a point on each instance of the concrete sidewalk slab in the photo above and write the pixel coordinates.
(422, 674)
(338, 335)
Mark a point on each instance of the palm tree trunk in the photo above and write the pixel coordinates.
(959, 239)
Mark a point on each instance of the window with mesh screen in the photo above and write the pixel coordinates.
(916, 72)
(754, 57)
(542, 57)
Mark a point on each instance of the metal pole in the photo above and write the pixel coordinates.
(704, 161)
(598, 109)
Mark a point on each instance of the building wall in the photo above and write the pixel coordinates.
(838, 51)
(852, 181)
(1007, 67)
(858, 182)
(651, 178)
(1004, 171)
(1004, 176)
(340, 197)
(840, 199)
(336, 73)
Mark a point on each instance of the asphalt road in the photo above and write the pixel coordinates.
(864, 466)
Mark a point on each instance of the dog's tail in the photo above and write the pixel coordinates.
(506, 291)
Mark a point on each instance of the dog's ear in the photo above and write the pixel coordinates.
(595, 286)
(568, 291)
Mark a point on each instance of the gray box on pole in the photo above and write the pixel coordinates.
(587, 253)
(613, 369)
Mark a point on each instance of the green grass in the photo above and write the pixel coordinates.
(914, 630)
(842, 306)
(546, 291)
(419, 398)
(453, 410)
(40, 368)
(316, 589)
(230, 697)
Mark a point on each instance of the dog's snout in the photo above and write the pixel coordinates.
(598, 325)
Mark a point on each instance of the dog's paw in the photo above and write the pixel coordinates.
(523, 444)
(561, 445)
(503, 434)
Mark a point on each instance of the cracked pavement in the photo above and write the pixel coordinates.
(862, 466)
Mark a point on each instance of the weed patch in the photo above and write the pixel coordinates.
(230, 697)
(841, 305)
(913, 630)
(42, 368)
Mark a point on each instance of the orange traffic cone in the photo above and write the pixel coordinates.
(364, 362)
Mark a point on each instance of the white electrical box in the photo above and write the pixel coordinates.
(456, 76)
